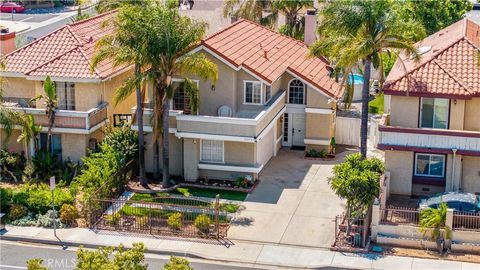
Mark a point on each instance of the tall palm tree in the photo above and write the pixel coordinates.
(30, 131)
(173, 36)
(252, 10)
(294, 22)
(50, 102)
(128, 46)
(359, 31)
(433, 221)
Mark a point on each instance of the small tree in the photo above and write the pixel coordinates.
(433, 221)
(50, 102)
(36, 264)
(112, 258)
(357, 181)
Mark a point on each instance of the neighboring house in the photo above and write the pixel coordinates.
(84, 96)
(269, 94)
(432, 136)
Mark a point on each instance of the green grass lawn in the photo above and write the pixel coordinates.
(376, 105)
(128, 210)
(211, 193)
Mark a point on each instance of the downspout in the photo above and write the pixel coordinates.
(453, 169)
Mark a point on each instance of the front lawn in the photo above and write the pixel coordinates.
(376, 105)
(211, 193)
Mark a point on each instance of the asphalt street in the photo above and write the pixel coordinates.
(13, 255)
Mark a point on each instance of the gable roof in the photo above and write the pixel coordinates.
(66, 52)
(268, 54)
(449, 68)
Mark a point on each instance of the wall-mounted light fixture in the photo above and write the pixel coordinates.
(213, 87)
(455, 101)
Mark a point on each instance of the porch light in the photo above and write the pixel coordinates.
(213, 87)
(455, 101)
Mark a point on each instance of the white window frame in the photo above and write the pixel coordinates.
(267, 100)
(304, 91)
(428, 175)
(433, 119)
(209, 161)
(245, 92)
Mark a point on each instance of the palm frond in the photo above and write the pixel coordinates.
(198, 64)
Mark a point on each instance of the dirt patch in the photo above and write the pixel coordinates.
(431, 254)
(11, 185)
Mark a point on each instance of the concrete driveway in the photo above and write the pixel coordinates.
(293, 203)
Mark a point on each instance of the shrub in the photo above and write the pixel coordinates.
(36, 264)
(68, 214)
(174, 221)
(241, 182)
(202, 223)
(11, 165)
(142, 221)
(47, 220)
(113, 219)
(17, 211)
(28, 220)
(38, 198)
(316, 154)
(5, 199)
(177, 263)
(123, 140)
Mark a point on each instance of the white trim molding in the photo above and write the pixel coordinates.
(271, 124)
(245, 92)
(318, 110)
(204, 136)
(150, 129)
(229, 168)
(317, 142)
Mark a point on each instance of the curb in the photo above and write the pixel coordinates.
(92, 246)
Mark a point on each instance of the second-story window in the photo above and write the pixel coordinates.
(434, 113)
(66, 95)
(296, 92)
(252, 92)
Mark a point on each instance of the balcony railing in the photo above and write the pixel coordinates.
(437, 140)
(83, 121)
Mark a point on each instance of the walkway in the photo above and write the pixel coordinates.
(255, 254)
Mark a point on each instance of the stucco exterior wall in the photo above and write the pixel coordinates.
(239, 153)
(11, 144)
(318, 100)
(265, 148)
(74, 146)
(18, 88)
(190, 159)
(319, 126)
(404, 111)
(108, 93)
(176, 155)
(457, 115)
(400, 166)
(88, 95)
(470, 174)
(241, 77)
(472, 114)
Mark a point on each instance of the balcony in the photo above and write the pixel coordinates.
(429, 140)
(67, 121)
(245, 127)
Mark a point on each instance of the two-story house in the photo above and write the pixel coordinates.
(83, 96)
(269, 94)
(432, 135)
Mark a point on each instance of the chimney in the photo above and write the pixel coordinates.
(310, 26)
(7, 41)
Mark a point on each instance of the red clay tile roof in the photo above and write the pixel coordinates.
(269, 54)
(65, 52)
(450, 68)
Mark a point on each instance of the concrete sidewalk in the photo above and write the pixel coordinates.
(236, 251)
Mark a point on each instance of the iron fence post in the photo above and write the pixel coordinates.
(217, 209)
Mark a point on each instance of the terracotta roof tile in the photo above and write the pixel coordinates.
(65, 52)
(245, 43)
(450, 67)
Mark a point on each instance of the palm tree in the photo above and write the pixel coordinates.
(173, 38)
(294, 23)
(29, 131)
(252, 10)
(128, 46)
(50, 103)
(359, 31)
(433, 221)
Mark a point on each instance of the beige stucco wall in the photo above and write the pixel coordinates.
(239, 153)
(318, 100)
(18, 88)
(88, 95)
(241, 77)
(457, 114)
(471, 174)
(176, 153)
(11, 143)
(319, 126)
(400, 166)
(110, 86)
(472, 114)
(404, 111)
(190, 159)
(74, 146)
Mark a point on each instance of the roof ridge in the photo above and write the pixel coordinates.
(80, 47)
(451, 75)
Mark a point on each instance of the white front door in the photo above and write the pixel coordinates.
(298, 129)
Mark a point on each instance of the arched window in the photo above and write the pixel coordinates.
(296, 92)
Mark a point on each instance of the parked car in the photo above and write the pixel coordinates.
(464, 202)
(12, 7)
